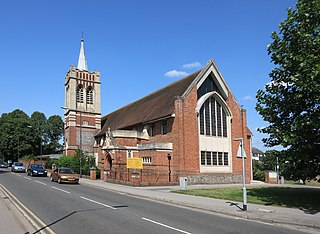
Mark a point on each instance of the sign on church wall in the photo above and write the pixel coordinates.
(134, 163)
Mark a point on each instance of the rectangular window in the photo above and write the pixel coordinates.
(146, 159)
(153, 130)
(202, 121)
(225, 159)
(164, 128)
(219, 119)
(207, 117)
(208, 156)
(213, 117)
(224, 123)
(220, 158)
(214, 158)
(203, 158)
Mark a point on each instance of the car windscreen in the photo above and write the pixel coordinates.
(37, 166)
(18, 164)
(66, 171)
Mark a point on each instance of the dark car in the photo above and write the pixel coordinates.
(64, 175)
(3, 165)
(36, 170)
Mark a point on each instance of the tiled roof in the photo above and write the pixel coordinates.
(156, 105)
(256, 151)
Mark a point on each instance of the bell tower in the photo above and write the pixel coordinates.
(82, 116)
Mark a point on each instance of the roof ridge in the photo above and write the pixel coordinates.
(149, 95)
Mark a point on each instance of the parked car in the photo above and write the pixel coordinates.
(36, 170)
(18, 167)
(3, 165)
(64, 175)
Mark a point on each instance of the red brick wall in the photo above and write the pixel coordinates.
(186, 133)
(183, 133)
(239, 130)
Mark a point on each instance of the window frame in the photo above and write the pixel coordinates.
(164, 127)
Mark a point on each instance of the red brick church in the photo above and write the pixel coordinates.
(186, 129)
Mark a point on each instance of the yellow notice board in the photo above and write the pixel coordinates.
(134, 163)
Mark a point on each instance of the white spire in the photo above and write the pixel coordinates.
(82, 62)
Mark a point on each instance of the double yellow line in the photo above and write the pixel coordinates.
(39, 225)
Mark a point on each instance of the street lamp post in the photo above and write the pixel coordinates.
(169, 159)
(244, 190)
(80, 143)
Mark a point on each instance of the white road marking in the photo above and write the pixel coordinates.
(98, 203)
(164, 225)
(27, 178)
(40, 182)
(60, 189)
(18, 175)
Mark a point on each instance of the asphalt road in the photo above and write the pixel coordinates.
(67, 208)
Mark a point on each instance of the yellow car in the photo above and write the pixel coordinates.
(64, 175)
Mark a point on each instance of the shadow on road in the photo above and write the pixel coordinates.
(66, 216)
(74, 212)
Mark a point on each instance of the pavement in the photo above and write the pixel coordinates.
(298, 219)
(12, 220)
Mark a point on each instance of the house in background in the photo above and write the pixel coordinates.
(257, 154)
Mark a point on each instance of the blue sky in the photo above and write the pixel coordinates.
(138, 46)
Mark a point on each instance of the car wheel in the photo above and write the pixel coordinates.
(59, 180)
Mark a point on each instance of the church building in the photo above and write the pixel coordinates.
(192, 128)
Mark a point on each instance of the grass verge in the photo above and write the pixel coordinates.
(302, 198)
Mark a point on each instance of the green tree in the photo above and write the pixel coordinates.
(291, 101)
(73, 162)
(17, 139)
(54, 133)
(38, 123)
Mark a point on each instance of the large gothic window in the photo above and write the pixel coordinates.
(213, 119)
(80, 93)
(90, 95)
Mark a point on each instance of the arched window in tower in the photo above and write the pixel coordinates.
(89, 95)
(80, 93)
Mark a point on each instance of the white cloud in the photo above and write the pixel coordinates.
(288, 84)
(175, 73)
(192, 65)
(260, 128)
(248, 98)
